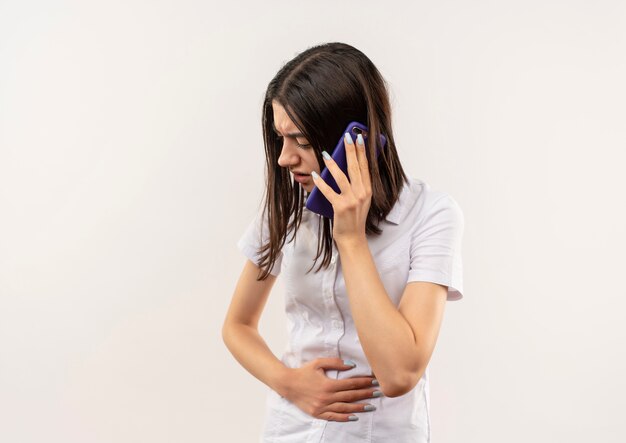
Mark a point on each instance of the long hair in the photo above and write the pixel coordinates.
(322, 90)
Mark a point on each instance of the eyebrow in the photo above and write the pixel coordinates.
(290, 135)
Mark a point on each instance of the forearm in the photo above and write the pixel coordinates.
(251, 351)
(386, 337)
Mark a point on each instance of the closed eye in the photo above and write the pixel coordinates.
(305, 146)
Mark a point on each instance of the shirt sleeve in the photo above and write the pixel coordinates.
(256, 234)
(436, 247)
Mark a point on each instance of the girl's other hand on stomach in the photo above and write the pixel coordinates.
(313, 392)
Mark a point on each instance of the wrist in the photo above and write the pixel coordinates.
(352, 245)
(282, 381)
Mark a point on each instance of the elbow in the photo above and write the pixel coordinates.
(402, 384)
(231, 329)
(227, 330)
(225, 334)
(396, 388)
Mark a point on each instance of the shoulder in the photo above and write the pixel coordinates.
(419, 205)
(441, 207)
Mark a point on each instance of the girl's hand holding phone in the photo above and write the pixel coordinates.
(352, 205)
(313, 392)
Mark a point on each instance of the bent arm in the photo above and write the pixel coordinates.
(397, 341)
(240, 329)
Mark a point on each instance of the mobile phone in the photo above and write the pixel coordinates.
(316, 201)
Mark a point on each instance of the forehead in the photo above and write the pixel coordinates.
(281, 119)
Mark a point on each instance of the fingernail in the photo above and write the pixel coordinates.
(377, 394)
(325, 155)
(349, 363)
(375, 382)
(347, 138)
(353, 418)
(359, 140)
(369, 408)
(314, 174)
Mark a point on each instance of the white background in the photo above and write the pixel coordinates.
(131, 161)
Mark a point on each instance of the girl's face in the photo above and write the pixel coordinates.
(297, 154)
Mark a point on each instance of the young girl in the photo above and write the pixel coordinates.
(363, 325)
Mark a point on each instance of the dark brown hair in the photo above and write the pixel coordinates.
(322, 90)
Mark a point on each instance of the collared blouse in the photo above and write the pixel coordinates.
(421, 241)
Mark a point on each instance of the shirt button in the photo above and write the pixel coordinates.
(334, 259)
(336, 324)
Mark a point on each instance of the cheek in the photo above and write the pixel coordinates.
(313, 160)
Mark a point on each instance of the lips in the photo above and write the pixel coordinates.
(301, 178)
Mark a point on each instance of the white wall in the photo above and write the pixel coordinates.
(131, 161)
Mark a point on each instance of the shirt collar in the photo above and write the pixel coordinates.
(399, 208)
(395, 214)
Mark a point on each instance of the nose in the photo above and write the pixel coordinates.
(289, 155)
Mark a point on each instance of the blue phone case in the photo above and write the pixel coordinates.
(316, 201)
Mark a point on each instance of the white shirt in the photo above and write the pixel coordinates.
(421, 241)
